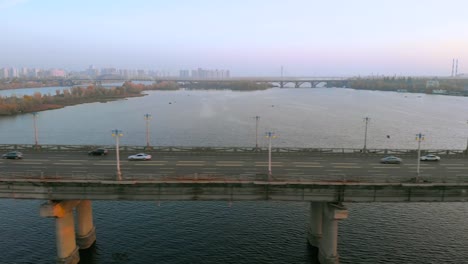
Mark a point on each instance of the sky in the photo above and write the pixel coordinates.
(248, 37)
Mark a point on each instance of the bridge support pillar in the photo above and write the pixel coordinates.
(86, 233)
(315, 225)
(67, 250)
(323, 231)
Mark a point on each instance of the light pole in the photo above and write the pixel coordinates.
(419, 138)
(467, 141)
(117, 133)
(147, 118)
(35, 129)
(257, 118)
(366, 119)
(269, 135)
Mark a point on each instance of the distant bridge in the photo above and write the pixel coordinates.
(273, 81)
(326, 178)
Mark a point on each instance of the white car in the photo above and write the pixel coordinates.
(430, 157)
(140, 156)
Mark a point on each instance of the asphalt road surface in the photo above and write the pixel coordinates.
(240, 166)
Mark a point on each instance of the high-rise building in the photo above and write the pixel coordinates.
(13, 73)
(4, 73)
(57, 73)
(184, 74)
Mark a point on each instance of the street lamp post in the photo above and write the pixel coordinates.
(366, 119)
(147, 118)
(269, 135)
(257, 118)
(467, 142)
(35, 129)
(419, 138)
(117, 134)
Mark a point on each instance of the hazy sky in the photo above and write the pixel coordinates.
(249, 37)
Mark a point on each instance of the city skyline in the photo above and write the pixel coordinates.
(306, 38)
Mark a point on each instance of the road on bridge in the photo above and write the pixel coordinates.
(239, 166)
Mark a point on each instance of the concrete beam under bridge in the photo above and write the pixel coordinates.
(67, 246)
(323, 230)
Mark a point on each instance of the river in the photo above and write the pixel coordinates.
(248, 232)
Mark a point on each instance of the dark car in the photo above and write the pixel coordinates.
(13, 155)
(98, 152)
(391, 160)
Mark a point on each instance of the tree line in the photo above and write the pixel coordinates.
(76, 95)
(417, 85)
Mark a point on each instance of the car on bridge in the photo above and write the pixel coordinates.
(140, 156)
(430, 157)
(13, 155)
(98, 152)
(391, 160)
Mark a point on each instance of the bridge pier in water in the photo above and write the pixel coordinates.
(323, 230)
(68, 245)
(86, 233)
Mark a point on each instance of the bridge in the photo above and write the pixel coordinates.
(273, 81)
(326, 178)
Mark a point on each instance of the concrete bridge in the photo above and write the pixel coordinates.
(326, 178)
(273, 81)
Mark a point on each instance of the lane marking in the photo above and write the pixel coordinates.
(309, 166)
(73, 160)
(347, 167)
(229, 165)
(65, 163)
(343, 163)
(27, 163)
(149, 164)
(266, 165)
(424, 168)
(190, 165)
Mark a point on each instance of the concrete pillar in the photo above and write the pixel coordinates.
(86, 233)
(315, 226)
(328, 248)
(67, 251)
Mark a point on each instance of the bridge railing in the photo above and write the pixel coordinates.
(197, 149)
(235, 178)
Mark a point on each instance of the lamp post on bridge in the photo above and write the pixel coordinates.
(269, 135)
(467, 141)
(257, 119)
(419, 138)
(147, 118)
(36, 145)
(117, 134)
(366, 119)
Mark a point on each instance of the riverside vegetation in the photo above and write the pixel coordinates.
(78, 95)
(13, 105)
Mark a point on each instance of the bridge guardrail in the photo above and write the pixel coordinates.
(198, 149)
(236, 178)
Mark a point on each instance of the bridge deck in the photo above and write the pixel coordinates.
(233, 176)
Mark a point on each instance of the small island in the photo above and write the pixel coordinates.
(14, 105)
